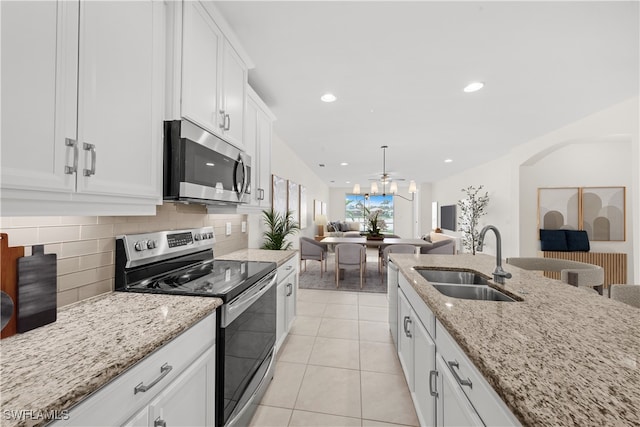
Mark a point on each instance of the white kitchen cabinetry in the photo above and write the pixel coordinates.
(287, 292)
(208, 72)
(258, 131)
(175, 384)
(82, 106)
(447, 389)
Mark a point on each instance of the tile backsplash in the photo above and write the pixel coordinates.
(85, 245)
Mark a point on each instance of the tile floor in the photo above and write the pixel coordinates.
(338, 366)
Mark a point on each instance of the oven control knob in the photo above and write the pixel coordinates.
(197, 236)
(140, 246)
(151, 244)
(210, 235)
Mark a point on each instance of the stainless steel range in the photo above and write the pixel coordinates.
(182, 263)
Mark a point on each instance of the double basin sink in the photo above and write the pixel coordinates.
(463, 284)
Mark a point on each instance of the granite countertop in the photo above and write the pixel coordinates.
(93, 341)
(561, 356)
(279, 257)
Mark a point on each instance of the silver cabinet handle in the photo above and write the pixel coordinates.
(92, 149)
(159, 422)
(70, 170)
(433, 391)
(261, 194)
(289, 289)
(462, 382)
(164, 371)
(407, 321)
(289, 267)
(227, 121)
(223, 116)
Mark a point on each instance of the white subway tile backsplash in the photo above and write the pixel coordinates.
(96, 231)
(59, 234)
(85, 245)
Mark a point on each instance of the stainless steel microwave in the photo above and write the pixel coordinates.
(199, 167)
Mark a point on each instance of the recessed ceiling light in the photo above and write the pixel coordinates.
(348, 182)
(474, 86)
(448, 160)
(328, 97)
(344, 164)
(209, 164)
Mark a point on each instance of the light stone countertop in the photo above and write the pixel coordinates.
(53, 367)
(279, 257)
(562, 356)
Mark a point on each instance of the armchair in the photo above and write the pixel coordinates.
(316, 251)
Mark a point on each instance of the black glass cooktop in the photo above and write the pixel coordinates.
(223, 279)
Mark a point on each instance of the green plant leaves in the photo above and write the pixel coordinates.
(279, 227)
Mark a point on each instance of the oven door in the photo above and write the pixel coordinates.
(246, 343)
(199, 166)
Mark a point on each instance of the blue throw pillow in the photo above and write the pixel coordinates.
(577, 240)
(553, 240)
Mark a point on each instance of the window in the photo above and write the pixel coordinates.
(358, 206)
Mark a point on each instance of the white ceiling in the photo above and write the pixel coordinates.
(398, 69)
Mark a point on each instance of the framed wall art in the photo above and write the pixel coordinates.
(279, 194)
(603, 213)
(559, 208)
(293, 200)
(303, 207)
(317, 208)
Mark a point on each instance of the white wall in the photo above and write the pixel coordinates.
(502, 178)
(286, 164)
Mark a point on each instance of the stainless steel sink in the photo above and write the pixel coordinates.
(453, 276)
(474, 292)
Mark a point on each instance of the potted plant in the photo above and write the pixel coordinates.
(279, 227)
(471, 209)
(374, 226)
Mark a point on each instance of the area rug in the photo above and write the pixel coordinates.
(374, 282)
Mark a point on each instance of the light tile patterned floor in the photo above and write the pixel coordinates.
(338, 367)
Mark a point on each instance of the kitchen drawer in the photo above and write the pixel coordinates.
(116, 402)
(287, 268)
(484, 399)
(423, 312)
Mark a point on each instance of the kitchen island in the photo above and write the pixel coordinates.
(560, 356)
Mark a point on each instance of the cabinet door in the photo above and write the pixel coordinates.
(120, 97)
(265, 126)
(188, 400)
(454, 409)
(291, 287)
(405, 338)
(251, 146)
(234, 86)
(39, 78)
(424, 358)
(141, 419)
(201, 45)
(392, 296)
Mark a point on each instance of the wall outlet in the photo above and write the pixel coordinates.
(244, 226)
(228, 229)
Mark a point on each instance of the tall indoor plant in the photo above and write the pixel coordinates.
(279, 226)
(471, 209)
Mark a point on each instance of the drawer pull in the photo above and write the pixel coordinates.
(289, 289)
(159, 422)
(433, 391)
(164, 371)
(462, 382)
(92, 149)
(407, 321)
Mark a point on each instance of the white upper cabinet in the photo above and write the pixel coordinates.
(201, 45)
(82, 107)
(257, 138)
(210, 87)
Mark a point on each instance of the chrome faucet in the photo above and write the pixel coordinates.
(498, 274)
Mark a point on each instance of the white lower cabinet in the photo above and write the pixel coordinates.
(446, 388)
(287, 292)
(173, 386)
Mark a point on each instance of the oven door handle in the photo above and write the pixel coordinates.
(236, 307)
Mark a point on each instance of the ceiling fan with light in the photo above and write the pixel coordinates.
(386, 179)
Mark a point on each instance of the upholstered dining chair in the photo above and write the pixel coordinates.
(382, 246)
(628, 294)
(316, 251)
(396, 249)
(350, 255)
(574, 273)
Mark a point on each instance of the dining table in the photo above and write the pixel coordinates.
(374, 243)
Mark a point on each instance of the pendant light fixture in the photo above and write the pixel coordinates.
(385, 179)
